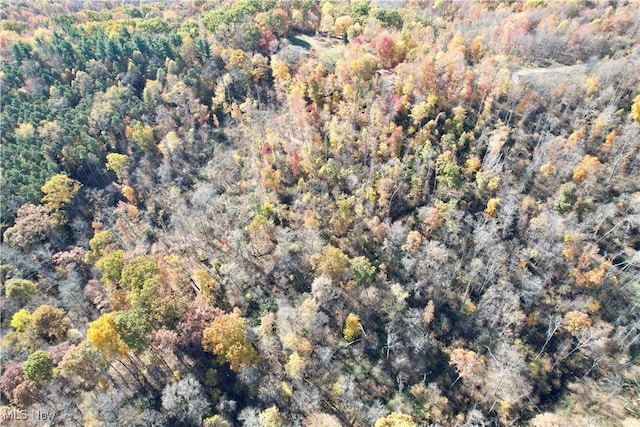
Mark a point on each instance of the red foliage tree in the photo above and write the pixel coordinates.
(196, 319)
(11, 378)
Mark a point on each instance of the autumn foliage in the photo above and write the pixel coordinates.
(227, 338)
(366, 213)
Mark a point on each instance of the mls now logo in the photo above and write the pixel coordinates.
(16, 414)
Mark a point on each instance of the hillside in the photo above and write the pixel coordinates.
(269, 213)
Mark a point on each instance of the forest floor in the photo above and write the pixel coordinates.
(323, 45)
(561, 71)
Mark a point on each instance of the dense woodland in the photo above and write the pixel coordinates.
(300, 213)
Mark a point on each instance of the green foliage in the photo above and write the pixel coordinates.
(16, 342)
(388, 17)
(8, 271)
(566, 198)
(363, 271)
(138, 272)
(111, 266)
(332, 169)
(252, 34)
(153, 25)
(134, 329)
(20, 289)
(273, 21)
(410, 102)
(448, 171)
(38, 367)
(16, 26)
(98, 244)
(229, 13)
(144, 297)
(343, 216)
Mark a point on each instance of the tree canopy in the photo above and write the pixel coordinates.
(267, 212)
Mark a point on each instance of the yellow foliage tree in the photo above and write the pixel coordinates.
(271, 417)
(591, 84)
(576, 136)
(363, 67)
(20, 320)
(307, 312)
(396, 419)
(342, 23)
(98, 244)
(279, 69)
(24, 131)
(118, 163)
(267, 326)
(472, 165)
(227, 338)
(270, 177)
(169, 144)
(141, 134)
(206, 283)
(547, 169)
(331, 263)
(635, 109)
(59, 190)
(295, 366)
(235, 58)
(216, 421)
(352, 327)
(102, 333)
(492, 207)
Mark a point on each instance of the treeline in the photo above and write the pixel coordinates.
(298, 213)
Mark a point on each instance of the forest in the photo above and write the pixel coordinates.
(272, 213)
